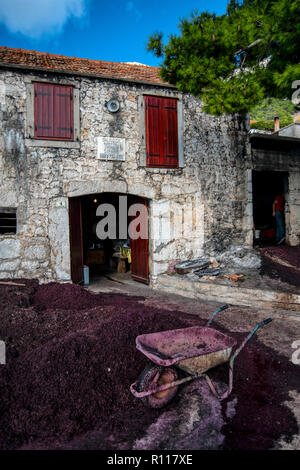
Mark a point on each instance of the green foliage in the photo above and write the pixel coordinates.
(235, 60)
(269, 125)
(155, 44)
(271, 107)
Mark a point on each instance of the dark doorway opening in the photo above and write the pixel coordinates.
(116, 253)
(266, 186)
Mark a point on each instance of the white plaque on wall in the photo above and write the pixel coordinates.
(111, 148)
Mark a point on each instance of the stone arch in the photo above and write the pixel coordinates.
(97, 186)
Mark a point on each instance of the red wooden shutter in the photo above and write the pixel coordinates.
(63, 116)
(161, 132)
(43, 110)
(170, 133)
(53, 110)
(153, 131)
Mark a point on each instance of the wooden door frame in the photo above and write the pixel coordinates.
(147, 257)
(73, 276)
(136, 277)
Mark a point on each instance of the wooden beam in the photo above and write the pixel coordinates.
(8, 283)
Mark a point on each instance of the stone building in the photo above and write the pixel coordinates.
(276, 169)
(76, 133)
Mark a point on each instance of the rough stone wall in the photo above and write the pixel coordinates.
(210, 192)
(221, 157)
(28, 251)
(293, 216)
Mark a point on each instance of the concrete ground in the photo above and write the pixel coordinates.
(282, 336)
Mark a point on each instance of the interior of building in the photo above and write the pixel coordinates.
(109, 234)
(266, 186)
(101, 255)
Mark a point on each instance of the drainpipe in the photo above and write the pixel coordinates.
(276, 124)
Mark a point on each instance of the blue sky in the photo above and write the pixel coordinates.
(112, 30)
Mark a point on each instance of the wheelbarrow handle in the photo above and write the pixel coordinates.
(265, 322)
(259, 325)
(223, 308)
(216, 313)
(227, 393)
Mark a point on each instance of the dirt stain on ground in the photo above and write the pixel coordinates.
(71, 358)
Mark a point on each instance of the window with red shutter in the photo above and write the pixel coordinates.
(161, 132)
(53, 111)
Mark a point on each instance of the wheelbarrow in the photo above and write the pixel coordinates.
(194, 350)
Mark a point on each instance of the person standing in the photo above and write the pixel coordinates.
(278, 213)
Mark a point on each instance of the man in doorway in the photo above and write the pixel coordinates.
(278, 213)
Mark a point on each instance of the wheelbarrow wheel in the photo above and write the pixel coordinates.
(155, 376)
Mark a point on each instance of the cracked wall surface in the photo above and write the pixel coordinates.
(207, 199)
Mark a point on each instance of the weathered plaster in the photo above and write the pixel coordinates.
(209, 192)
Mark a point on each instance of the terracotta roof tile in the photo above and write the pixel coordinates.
(45, 60)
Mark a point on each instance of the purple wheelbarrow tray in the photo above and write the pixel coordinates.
(194, 350)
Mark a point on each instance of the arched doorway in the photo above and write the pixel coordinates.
(101, 236)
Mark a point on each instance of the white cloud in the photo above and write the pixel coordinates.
(131, 8)
(35, 18)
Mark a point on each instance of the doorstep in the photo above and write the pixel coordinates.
(190, 286)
